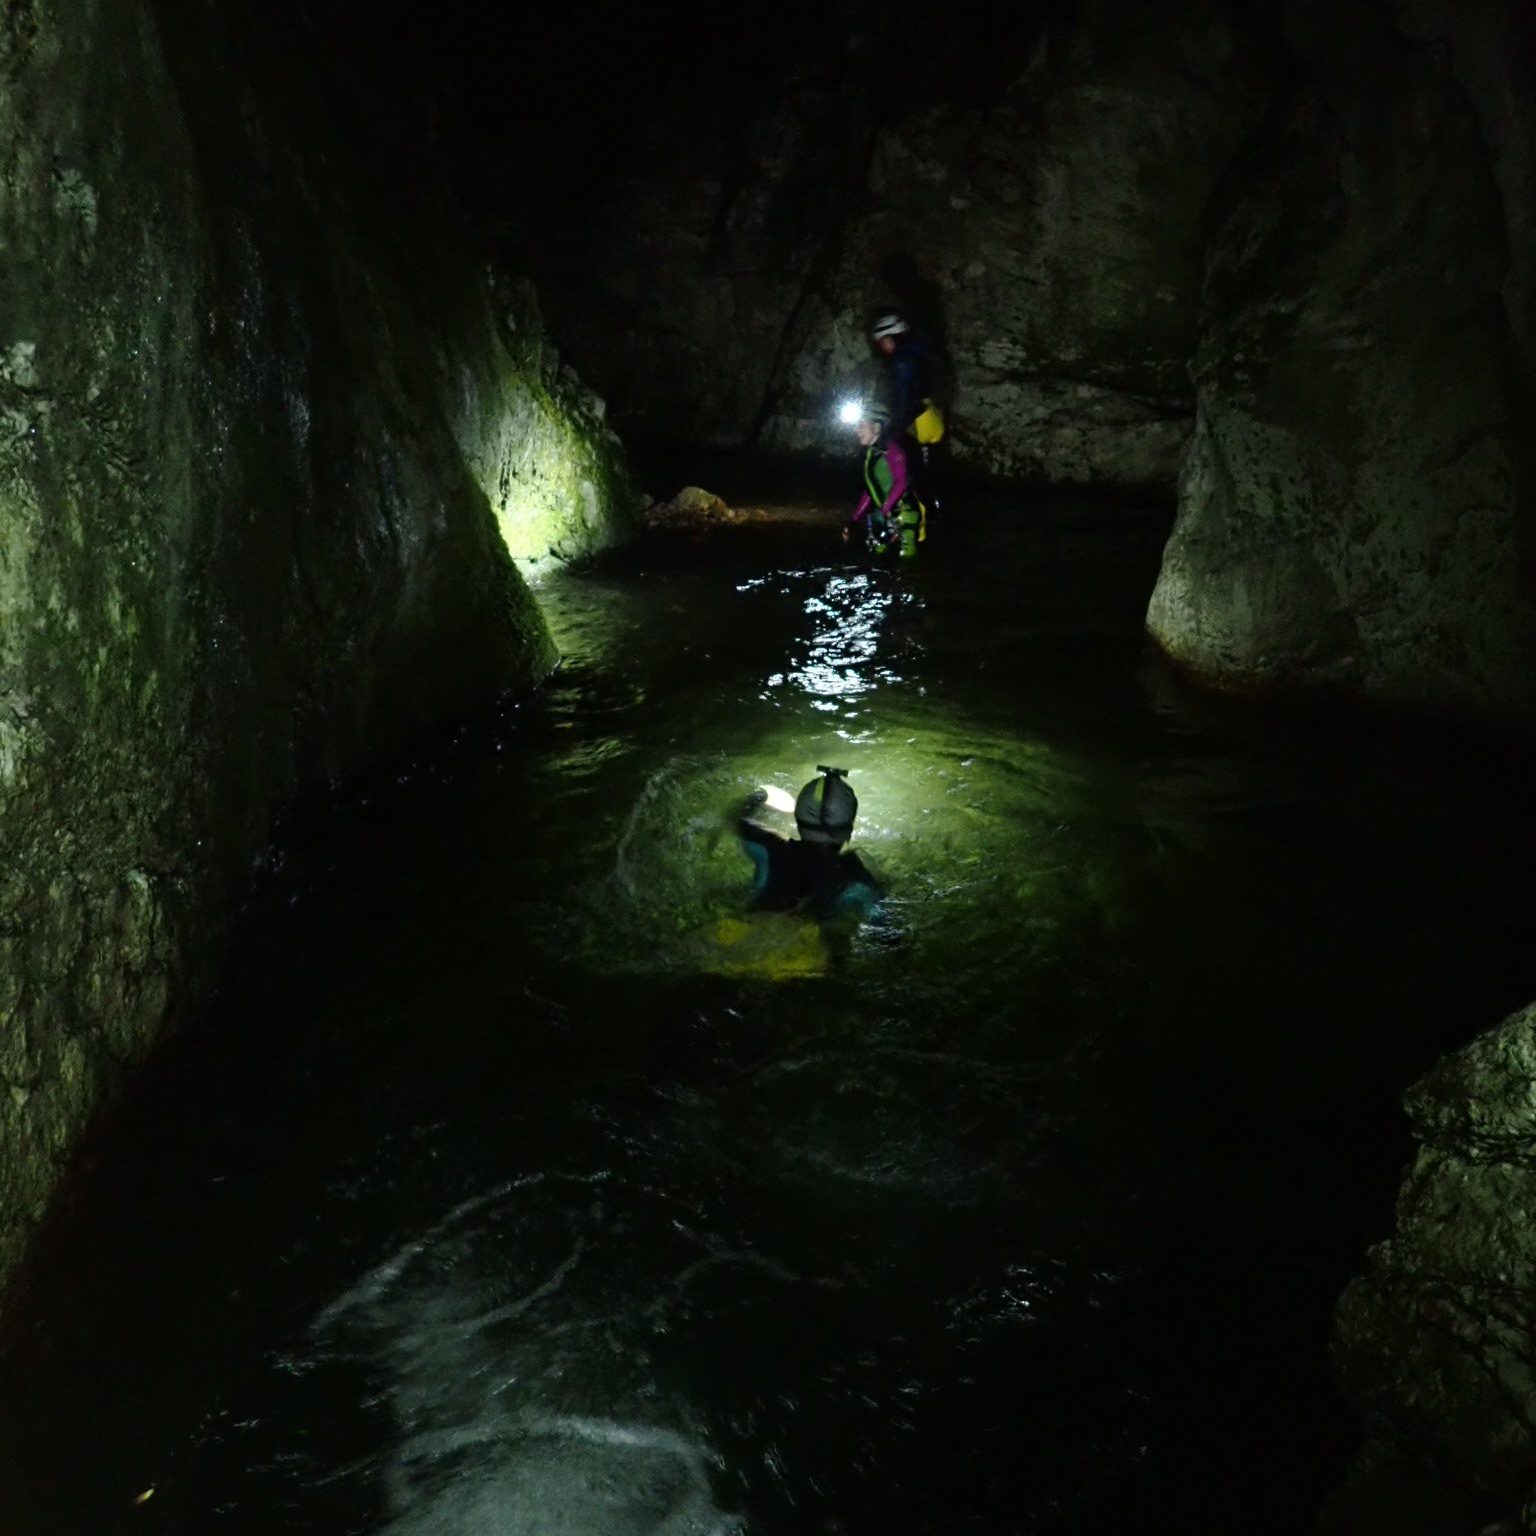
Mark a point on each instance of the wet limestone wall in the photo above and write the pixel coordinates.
(1028, 187)
(1052, 241)
(1355, 516)
(259, 418)
(1355, 507)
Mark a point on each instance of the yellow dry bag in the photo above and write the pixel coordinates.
(929, 427)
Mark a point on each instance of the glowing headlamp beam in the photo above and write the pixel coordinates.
(850, 411)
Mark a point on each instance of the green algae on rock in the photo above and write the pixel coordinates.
(255, 406)
(537, 442)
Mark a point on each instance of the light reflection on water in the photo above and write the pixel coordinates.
(841, 657)
(917, 1076)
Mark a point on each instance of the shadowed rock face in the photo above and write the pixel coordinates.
(1043, 226)
(1053, 242)
(1437, 1342)
(1354, 507)
(256, 415)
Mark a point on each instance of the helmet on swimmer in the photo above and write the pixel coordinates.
(877, 416)
(825, 808)
(889, 325)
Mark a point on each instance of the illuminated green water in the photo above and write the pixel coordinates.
(522, 1182)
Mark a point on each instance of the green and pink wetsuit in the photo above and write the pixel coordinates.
(888, 510)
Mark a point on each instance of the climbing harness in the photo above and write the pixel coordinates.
(907, 525)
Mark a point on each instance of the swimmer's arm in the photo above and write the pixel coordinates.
(747, 829)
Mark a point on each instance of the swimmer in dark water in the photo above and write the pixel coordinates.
(814, 874)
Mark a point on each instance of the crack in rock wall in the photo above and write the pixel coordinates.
(258, 421)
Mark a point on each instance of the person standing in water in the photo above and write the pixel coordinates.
(916, 421)
(888, 514)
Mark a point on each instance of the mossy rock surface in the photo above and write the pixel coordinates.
(255, 412)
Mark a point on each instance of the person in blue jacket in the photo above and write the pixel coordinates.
(907, 367)
(909, 387)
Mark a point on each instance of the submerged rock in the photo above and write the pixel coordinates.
(1436, 1343)
(692, 509)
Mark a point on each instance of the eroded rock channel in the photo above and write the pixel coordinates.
(405, 1122)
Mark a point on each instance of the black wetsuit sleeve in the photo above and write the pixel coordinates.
(750, 832)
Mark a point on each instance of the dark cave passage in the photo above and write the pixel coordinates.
(422, 464)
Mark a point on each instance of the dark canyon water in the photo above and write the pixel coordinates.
(521, 1182)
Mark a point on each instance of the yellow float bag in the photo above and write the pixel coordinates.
(767, 946)
(929, 426)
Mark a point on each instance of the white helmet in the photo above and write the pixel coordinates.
(825, 808)
(889, 325)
